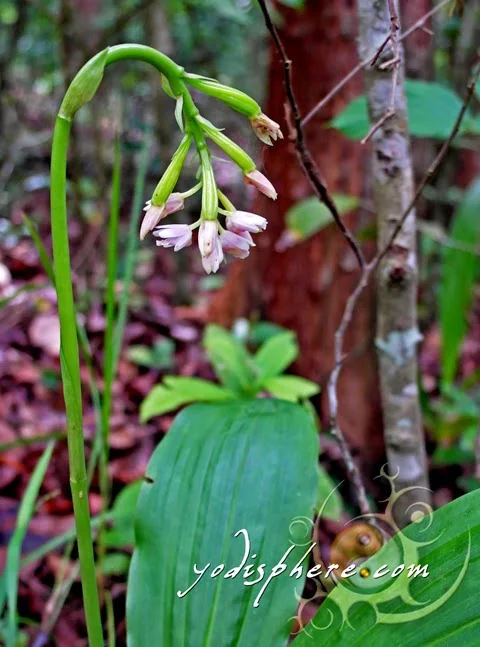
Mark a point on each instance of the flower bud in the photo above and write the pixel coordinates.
(266, 129)
(262, 183)
(154, 214)
(151, 218)
(209, 189)
(233, 150)
(234, 98)
(235, 245)
(240, 232)
(176, 236)
(171, 175)
(210, 246)
(244, 221)
(83, 87)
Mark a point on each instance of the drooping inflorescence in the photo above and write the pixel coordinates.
(214, 240)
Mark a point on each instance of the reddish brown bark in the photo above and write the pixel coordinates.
(306, 287)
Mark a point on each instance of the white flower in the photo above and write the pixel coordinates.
(262, 183)
(155, 213)
(210, 246)
(266, 129)
(244, 221)
(176, 236)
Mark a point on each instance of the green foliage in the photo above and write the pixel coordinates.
(294, 4)
(229, 359)
(9, 583)
(310, 216)
(177, 391)
(222, 468)
(459, 273)
(443, 607)
(275, 356)
(119, 532)
(241, 374)
(329, 503)
(160, 356)
(432, 111)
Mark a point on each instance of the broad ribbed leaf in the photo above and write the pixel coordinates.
(248, 465)
(444, 609)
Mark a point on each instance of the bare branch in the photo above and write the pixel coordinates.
(435, 164)
(309, 167)
(367, 272)
(394, 63)
(371, 61)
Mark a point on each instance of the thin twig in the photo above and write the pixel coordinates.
(393, 63)
(306, 160)
(370, 61)
(352, 302)
(312, 173)
(435, 164)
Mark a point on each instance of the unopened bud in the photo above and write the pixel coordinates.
(233, 150)
(262, 183)
(84, 86)
(209, 189)
(171, 175)
(236, 99)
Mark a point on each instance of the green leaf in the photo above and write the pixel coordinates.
(329, 503)
(249, 465)
(309, 216)
(432, 111)
(275, 355)
(291, 387)
(294, 4)
(174, 392)
(230, 360)
(12, 567)
(159, 356)
(458, 276)
(443, 608)
(119, 531)
(261, 331)
(115, 564)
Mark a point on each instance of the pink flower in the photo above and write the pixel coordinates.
(240, 232)
(266, 129)
(262, 183)
(155, 213)
(176, 236)
(235, 244)
(244, 221)
(210, 246)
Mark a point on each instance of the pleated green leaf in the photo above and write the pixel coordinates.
(247, 466)
(440, 610)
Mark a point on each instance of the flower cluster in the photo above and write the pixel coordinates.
(214, 240)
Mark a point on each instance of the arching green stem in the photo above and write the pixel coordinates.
(82, 89)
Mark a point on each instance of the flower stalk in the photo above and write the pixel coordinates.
(236, 240)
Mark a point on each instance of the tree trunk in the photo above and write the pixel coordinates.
(397, 332)
(305, 288)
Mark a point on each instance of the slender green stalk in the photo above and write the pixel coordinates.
(80, 92)
(71, 379)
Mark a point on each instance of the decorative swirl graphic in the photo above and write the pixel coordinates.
(363, 538)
